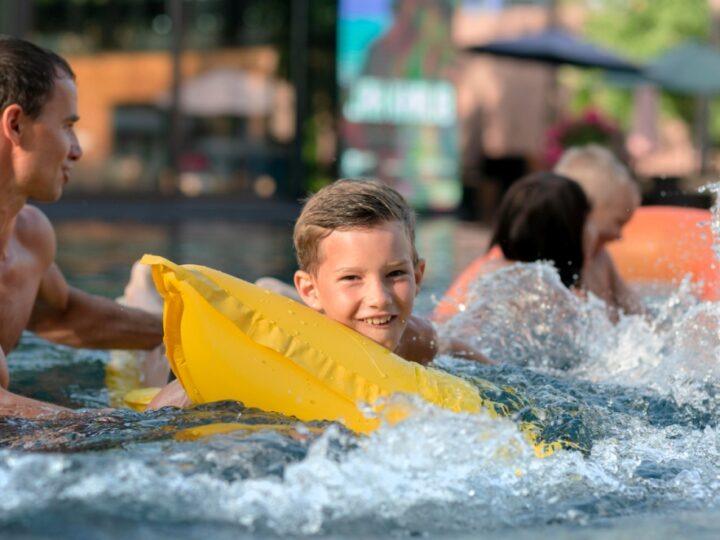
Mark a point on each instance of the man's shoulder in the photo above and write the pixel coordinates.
(31, 221)
(33, 229)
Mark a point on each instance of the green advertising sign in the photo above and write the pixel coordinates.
(399, 114)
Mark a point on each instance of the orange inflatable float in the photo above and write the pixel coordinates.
(660, 245)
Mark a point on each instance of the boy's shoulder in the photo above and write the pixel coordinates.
(419, 342)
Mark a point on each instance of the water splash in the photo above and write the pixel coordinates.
(644, 390)
(714, 189)
(437, 472)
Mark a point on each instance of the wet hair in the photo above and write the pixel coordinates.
(343, 205)
(597, 170)
(28, 74)
(542, 218)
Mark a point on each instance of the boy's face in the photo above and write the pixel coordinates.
(365, 280)
(608, 219)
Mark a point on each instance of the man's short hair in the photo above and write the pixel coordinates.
(343, 205)
(28, 74)
(596, 169)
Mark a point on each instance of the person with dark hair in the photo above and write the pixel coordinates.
(38, 150)
(542, 218)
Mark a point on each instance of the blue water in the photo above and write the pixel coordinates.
(642, 396)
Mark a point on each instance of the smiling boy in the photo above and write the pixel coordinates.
(355, 246)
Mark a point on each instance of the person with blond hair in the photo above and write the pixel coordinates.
(613, 197)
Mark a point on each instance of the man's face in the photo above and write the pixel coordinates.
(366, 280)
(608, 217)
(49, 146)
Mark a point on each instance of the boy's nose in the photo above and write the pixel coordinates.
(377, 294)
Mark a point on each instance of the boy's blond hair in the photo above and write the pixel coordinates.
(346, 204)
(596, 169)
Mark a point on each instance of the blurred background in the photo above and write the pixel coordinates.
(270, 99)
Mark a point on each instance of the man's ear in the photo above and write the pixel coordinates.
(12, 122)
(419, 273)
(305, 285)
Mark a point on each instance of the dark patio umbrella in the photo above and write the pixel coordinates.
(556, 47)
(692, 69)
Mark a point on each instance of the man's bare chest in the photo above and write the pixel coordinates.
(20, 277)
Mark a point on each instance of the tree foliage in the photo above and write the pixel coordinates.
(640, 30)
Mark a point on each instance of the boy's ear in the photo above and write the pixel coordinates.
(305, 285)
(419, 273)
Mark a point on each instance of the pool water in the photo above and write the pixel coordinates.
(644, 395)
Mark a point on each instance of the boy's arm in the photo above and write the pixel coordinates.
(66, 315)
(173, 395)
(14, 405)
(625, 299)
(420, 343)
(462, 349)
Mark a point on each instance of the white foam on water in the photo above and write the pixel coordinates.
(523, 315)
(443, 472)
(473, 470)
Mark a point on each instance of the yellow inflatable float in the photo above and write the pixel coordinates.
(227, 339)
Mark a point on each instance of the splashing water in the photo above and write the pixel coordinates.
(714, 189)
(645, 392)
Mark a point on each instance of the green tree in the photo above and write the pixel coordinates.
(640, 30)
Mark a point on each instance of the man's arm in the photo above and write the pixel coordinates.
(66, 315)
(14, 405)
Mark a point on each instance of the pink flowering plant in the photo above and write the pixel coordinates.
(589, 127)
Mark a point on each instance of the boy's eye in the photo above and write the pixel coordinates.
(397, 273)
(349, 277)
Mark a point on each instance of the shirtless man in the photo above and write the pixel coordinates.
(614, 198)
(38, 149)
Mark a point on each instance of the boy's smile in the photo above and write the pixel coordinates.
(366, 280)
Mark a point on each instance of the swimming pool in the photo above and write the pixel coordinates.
(645, 393)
